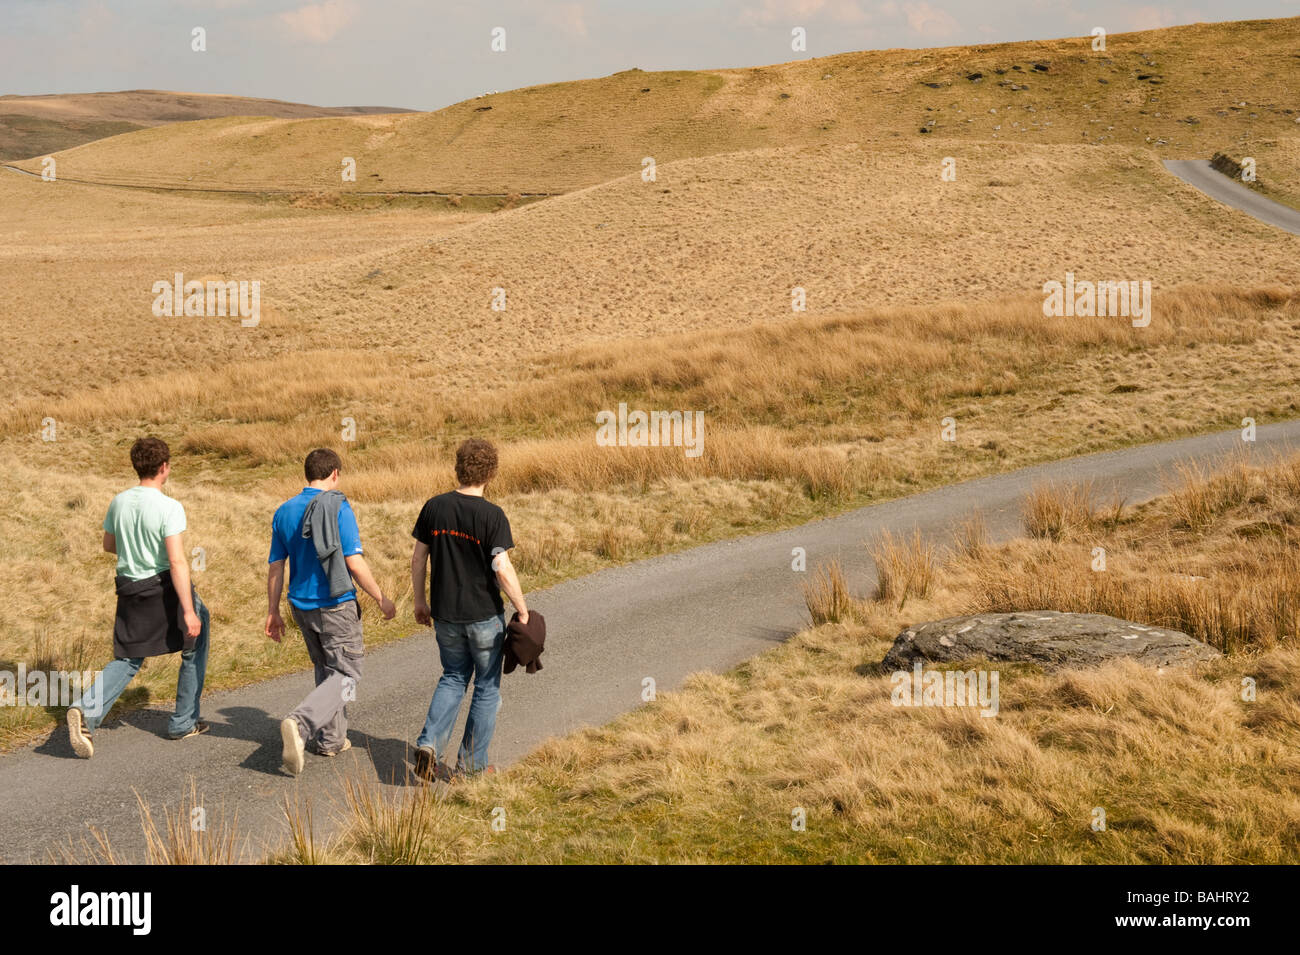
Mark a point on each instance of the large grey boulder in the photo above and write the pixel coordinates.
(1049, 638)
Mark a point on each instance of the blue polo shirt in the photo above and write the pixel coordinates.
(309, 587)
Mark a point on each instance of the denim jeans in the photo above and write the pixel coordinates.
(114, 678)
(466, 649)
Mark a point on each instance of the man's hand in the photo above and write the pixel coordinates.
(193, 626)
(422, 615)
(389, 608)
(274, 626)
(509, 582)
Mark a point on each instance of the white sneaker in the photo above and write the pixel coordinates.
(81, 744)
(294, 748)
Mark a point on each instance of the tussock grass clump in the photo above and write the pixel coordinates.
(905, 567)
(971, 539)
(1053, 510)
(303, 848)
(827, 596)
(1197, 498)
(387, 833)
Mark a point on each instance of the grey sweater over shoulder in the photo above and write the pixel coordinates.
(320, 523)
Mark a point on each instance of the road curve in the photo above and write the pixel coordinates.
(707, 608)
(1199, 173)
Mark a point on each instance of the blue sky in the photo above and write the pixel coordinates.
(425, 55)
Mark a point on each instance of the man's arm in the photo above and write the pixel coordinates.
(360, 571)
(509, 582)
(110, 543)
(419, 563)
(274, 590)
(180, 571)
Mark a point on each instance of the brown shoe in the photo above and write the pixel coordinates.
(428, 768)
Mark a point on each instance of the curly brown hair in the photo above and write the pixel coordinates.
(148, 455)
(476, 462)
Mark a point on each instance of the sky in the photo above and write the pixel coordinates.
(425, 55)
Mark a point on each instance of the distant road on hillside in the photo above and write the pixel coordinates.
(1199, 173)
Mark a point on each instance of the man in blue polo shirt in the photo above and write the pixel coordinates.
(317, 533)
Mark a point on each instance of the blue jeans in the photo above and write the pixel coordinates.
(466, 649)
(113, 679)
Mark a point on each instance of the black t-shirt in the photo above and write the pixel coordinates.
(463, 534)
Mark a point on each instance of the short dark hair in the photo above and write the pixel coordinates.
(476, 462)
(148, 455)
(320, 464)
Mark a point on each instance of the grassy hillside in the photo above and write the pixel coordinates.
(33, 126)
(1184, 92)
(715, 243)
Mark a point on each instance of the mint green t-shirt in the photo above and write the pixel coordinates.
(140, 518)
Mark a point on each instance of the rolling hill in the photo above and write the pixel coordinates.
(1183, 91)
(33, 126)
(716, 242)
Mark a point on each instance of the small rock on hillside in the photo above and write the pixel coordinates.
(1052, 639)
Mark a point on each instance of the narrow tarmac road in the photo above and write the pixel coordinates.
(708, 608)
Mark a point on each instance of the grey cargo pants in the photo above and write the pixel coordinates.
(334, 643)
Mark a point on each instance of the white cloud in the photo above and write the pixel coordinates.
(1150, 18)
(926, 20)
(320, 22)
(569, 17)
(797, 12)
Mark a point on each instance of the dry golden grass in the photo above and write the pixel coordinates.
(826, 594)
(181, 839)
(855, 227)
(1052, 511)
(1217, 557)
(1187, 105)
(801, 420)
(1186, 769)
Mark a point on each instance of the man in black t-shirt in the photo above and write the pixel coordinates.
(467, 541)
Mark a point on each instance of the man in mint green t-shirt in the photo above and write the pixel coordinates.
(158, 609)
